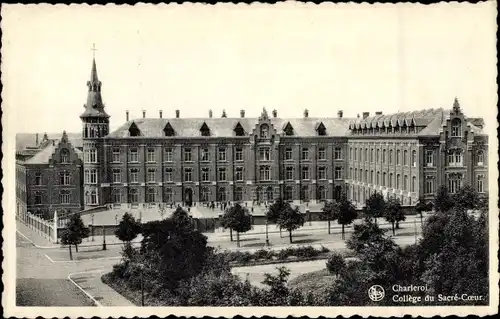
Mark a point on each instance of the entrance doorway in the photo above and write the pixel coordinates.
(188, 197)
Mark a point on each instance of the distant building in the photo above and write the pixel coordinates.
(190, 161)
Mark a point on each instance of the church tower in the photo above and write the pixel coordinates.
(95, 122)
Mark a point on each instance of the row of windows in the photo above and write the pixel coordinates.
(64, 178)
(90, 156)
(374, 178)
(64, 197)
(355, 154)
(387, 130)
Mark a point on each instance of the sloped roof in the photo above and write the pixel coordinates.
(224, 127)
(43, 156)
(28, 140)
(417, 118)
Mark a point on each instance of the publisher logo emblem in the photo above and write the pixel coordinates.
(376, 293)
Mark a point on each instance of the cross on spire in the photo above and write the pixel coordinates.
(93, 50)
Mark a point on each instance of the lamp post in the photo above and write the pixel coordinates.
(92, 227)
(103, 238)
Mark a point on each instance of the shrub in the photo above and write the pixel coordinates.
(263, 254)
(336, 264)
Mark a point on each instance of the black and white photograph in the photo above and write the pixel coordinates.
(287, 159)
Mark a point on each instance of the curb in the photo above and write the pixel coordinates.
(96, 303)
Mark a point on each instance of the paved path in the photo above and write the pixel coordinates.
(42, 282)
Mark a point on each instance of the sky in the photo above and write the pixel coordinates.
(355, 58)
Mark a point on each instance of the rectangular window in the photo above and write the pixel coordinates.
(151, 175)
(239, 173)
(205, 154)
(305, 154)
(265, 173)
(204, 175)
(305, 172)
(288, 154)
(222, 174)
(264, 154)
(65, 197)
(289, 173)
(187, 175)
(429, 158)
(322, 173)
(322, 153)
(480, 158)
(169, 155)
(93, 156)
(480, 183)
(168, 175)
(187, 155)
(222, 154)
(93, 176)
(38, 199)
(134, 175)
(133, 155)
(338, 173)
(38, 179)
(151, 155)
(116, 155)
(239, 154)
(117, 177)
(338, 153)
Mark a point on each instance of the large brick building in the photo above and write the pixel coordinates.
(188, 161)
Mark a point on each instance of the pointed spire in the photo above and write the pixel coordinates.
(456, 105)
(64, 138)
(94, 106)
(93, 73)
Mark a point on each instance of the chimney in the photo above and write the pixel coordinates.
(177, 113)
(210, 113)
(365, 115)
(224, 113)
(161, 114)
(242, 113)
(36, 139)
(275, 113)
(306, 113)
(143, 114)
(126, 115)
(378, 113)
(340, 114)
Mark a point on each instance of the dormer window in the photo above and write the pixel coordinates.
(205, 131)
(288, 129)
(169, 130)
(456, 128)
(264, 131)
(134, 130)
(321, 129)
(238, 130)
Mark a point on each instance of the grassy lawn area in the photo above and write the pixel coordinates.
(315, 281)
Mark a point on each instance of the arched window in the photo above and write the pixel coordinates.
(269, 193)
(383, 156)
(414, 158)
(169, 196)
(238, 194)
(133, 196)
(304, 193)
(398, 181)
(390, 180)
(222, 194)
(405, 157)
(384, 179)
(288, 193)
(398, 157)
(454, 182)
(378, 179)
(205, 194)
(93, 197)
(322, 193)
(64, 178)
(413, 183)
(64, 156)
(390, 157)
(117, 196)
(405, 183)
(264, 131)
(456, 128)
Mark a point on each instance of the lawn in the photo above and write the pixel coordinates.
(315, 281)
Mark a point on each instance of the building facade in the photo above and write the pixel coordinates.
(193, 161)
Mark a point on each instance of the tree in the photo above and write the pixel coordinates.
(442, 200)
(128, 228)
(375, 206)
(238, 219)
(336, 264)
(182, 219)
(364, 235)
(291, 219)
(421, 207)
(74, 233)
(466, 197)
(329, 212)
(347, 213)
(394, 213)
(275, 210)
